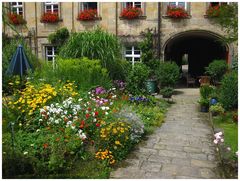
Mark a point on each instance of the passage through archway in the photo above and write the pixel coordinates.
(200, 48)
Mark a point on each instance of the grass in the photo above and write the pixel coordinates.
(230, 129)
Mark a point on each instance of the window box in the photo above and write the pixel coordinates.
(176, 12)
(213, 11)
(88, 15)
(50, 17)
(131, 13)
(16, 19)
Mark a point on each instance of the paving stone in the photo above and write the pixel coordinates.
(203, 163)
(188, 171)
(170, 153)
(180, 161)
(170, 169)
(198, 156)
(159, 175)
(151, 166)
(207, 173)
(192, 149)
(160, 159)
(159, 146)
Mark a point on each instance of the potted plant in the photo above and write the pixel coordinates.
(167, 92)
(87, 15)
(176, 12)
(206, 91)
(50, 17)
(131, 12)
(216, 109)
(204, 104)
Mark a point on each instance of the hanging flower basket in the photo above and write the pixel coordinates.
(176, 12)
(213, 11)
(16, 19)
(131, 13)
(88, 15)
(50, 17)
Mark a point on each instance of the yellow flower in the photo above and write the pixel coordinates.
(117, 143)
(114, 131)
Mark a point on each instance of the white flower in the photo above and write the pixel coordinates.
(103, 108)
(222, 140)
(217, 149)
(228, 148)
(37, 130)
(32, 145)
(107, 108)
(94, 120)
(111, 103)
(25, 153)
(40, 120)
(80, 99)
(215, 141)
(72, 126)
(57, 121)
(89, 92)
(106, 113)
(20, 124)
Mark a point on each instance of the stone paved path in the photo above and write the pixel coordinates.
(181, 148)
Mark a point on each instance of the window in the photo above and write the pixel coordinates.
(16, 7)
(132, 54)
(89, 5)
(51, 7)
(133, 4)
(179, 4)
(218, 3)
(50, 53)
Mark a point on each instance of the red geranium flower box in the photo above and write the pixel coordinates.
(131, 12)
(50, 17)
(176, 12)
(87, 14)
(16, 19)
(213, 11)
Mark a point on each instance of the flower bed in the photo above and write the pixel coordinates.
(87, 15)
(16, 19)
(131, 13)
(50, 17)
(176, 12)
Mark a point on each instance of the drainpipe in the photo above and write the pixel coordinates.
(73, 26)
(36, 31)
(116, 19)
(159, 27)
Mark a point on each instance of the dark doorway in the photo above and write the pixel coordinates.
(201, 48)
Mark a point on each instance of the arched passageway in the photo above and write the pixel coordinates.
(200, 48)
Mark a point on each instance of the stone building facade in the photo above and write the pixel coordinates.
(174, 37)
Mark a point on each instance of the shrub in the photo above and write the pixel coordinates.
(217, 108)
(97, 44)
(229, 91)
(203, 102)
(59, 38)
(206, 91)
(136, 79)
(217, 69)
(167, 91)
(167, 73)
(86, 73)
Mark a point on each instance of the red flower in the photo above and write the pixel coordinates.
(16, 19)
(50, 17)
(96, 113)
(213, 11)
(89, 109)
(97, 124)
(131, 12)
(87, 14)
(176, 12)
(82, 124)
(45, 145)
(87, 116)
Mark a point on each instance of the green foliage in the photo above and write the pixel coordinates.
(167, 73)
(97, 44)
(136, 79)
(228, 19)
(167, 91)
(217, 108)
(86, 73)
(229, 91)
(217, 69)
(206, 91)
(203, 102)
(59, 38)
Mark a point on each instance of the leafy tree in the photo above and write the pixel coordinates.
(59, 38)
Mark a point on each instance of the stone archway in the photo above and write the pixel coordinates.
(200, 46)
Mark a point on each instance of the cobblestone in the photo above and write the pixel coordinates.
(182, 148)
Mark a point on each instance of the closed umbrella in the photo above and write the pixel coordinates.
(19, 64)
